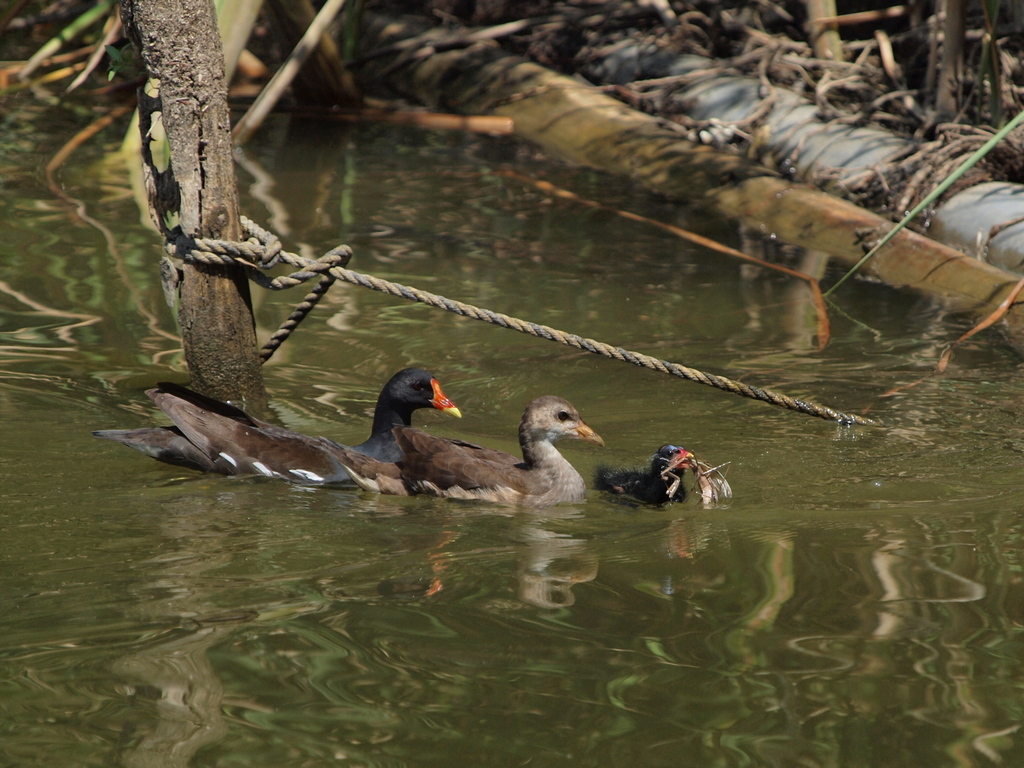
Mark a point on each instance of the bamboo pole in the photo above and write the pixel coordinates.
(578, 123)
(824, 35)
(283, 78)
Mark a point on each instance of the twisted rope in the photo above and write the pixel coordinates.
(597, 347)
(262, 250)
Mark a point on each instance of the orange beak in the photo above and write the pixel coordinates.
(441, 401)
(584, 432)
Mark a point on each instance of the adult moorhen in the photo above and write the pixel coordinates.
(212, 436)
(656, 483)
(455, 469)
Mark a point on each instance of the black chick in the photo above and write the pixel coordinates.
(657, 483)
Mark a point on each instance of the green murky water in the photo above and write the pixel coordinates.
(858, 603)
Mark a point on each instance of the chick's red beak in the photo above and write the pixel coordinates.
(683, 458)
(441, 401)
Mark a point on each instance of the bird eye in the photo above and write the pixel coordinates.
(563, 416)
(419, 386)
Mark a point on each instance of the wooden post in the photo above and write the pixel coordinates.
(178, 42)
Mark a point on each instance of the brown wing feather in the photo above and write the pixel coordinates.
(368, 473)
(449, 464)
(222, 431)
(166, 393)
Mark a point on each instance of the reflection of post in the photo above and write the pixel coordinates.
(551, 564)
(178, 690)
(775, 564)
(884, 564)
(777, 567)
(912, 582)
(792, 305)
(189, 708)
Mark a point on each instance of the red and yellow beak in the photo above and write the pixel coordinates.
(683, 458)
(441, 401)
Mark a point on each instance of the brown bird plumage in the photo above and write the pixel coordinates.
(212, 436)
(456, 469)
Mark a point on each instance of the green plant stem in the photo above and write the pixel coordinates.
(69, 32)
(932, 197)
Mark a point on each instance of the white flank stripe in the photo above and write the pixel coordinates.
(305, 474)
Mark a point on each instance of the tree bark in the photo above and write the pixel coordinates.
(178, 42)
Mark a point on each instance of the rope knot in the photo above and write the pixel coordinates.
(260, 251)
(265, 240)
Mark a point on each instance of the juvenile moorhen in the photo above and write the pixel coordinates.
(212, 436)
(456, 469)
(656, 483)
